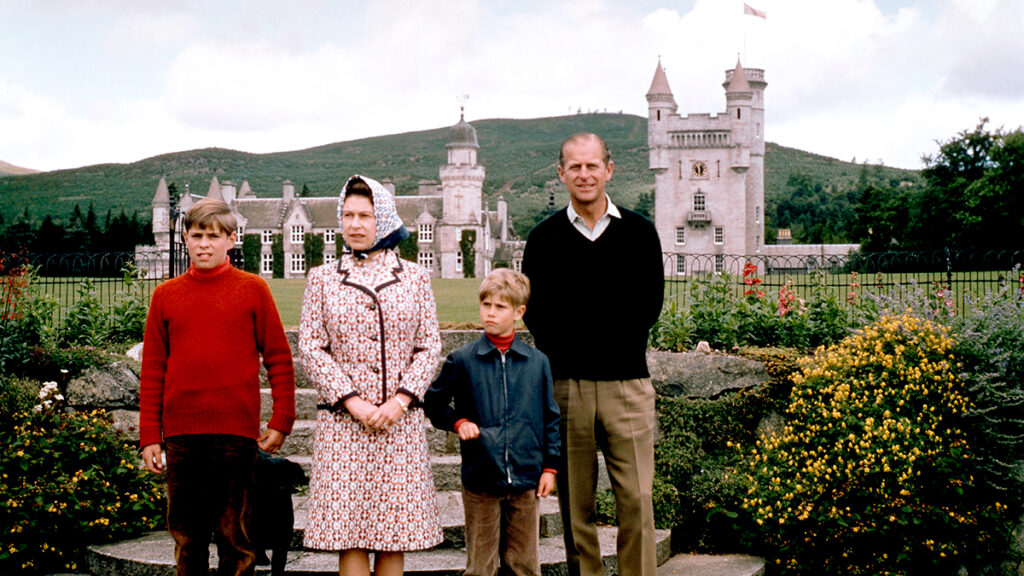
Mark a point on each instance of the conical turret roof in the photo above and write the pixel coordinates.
(738, 83)
(659, 86)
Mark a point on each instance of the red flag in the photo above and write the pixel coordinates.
(752, 12)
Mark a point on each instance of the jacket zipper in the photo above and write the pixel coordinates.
(504, 382)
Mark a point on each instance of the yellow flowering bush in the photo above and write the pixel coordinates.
(872, 472)
(68, 481)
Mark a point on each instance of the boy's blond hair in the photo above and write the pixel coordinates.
(208, 212)
(506, 284)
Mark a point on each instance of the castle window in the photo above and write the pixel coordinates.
(699, 202)
(517, 265)
(680, 236)
(659, 114)
(426, 259)
(719, 263)
(298, 235)
(330, 258)
(757, 244)
(267, 237)
(266, 263)
(298, 263)
(329, 235)
(680, 265)
(458, 261)
(738, 110)
(757, 215)
(426, 233)
(241, 233)
(719, 234)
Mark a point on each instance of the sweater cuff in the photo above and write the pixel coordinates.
(551, 470)
(459, 423)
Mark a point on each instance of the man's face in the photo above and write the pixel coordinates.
(584, 172)
(208, 247)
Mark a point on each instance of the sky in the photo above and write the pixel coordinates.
(85, 82)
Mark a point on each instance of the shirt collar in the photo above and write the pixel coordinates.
(611, 210)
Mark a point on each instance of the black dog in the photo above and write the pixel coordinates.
(272, 518)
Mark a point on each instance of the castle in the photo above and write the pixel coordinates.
(442, 217)
(708, 198)
(709, 178)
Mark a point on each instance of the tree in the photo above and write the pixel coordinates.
(945, 213)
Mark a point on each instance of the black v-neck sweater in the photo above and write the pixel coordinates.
(593, 303)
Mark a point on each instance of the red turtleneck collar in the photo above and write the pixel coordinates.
(202, 273)
(502, 343)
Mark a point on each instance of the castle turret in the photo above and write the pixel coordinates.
(660, 106)
(162, 215)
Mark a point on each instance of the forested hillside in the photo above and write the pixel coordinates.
(811, 194)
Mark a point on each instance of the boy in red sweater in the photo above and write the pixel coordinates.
(200, 393)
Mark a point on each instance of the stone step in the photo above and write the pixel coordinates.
(153, 555)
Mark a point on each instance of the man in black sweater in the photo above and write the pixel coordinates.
(598, 284)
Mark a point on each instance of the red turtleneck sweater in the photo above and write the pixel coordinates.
(205, 333)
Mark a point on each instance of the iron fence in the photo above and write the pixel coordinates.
(843, 277)
(958, 274)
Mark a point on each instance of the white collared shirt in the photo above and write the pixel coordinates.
(610, 212)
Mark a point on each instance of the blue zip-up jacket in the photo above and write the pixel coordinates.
(511, 399)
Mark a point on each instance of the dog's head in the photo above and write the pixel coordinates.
(275, 472)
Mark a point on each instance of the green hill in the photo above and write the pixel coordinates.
(520, 157)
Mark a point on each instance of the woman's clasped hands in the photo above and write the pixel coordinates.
(378, 418)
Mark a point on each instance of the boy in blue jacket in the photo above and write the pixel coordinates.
(507, 421)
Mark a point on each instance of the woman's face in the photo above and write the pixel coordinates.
(358, 223)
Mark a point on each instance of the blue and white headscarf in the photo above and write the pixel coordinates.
(390, 230)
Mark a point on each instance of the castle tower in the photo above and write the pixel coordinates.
(162, 215)
(709, 172)
(462, 184)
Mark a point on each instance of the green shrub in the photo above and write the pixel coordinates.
(126, 319)
(694, 454)
(86, 321)
(25, 320)
(672, 330)
(872, 472)
(69, 481)
(713, 313)
(990, 337)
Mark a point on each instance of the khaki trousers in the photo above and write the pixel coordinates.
(505, 527)
(617, 417)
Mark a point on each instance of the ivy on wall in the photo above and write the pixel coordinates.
(313, 247)
(277, 250)
(409, 249)
(251, 249)
(468, 247)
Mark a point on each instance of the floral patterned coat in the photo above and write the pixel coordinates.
(369, 328)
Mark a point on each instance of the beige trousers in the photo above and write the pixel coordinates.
(617, 417)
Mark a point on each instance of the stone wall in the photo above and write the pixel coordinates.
(707, 374)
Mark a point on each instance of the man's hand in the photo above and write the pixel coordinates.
(546, 485)
(271, 440)
(468, 431)
(152, 457)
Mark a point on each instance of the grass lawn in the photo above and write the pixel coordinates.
(457, 303)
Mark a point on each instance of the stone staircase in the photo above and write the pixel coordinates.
(153, 554)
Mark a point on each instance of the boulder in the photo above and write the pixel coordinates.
(111, 387)
(702, 375)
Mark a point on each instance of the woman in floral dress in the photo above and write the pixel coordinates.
(369, 340)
